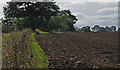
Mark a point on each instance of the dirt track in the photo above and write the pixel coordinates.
(78, 50)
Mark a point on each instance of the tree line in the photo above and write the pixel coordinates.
(45, 16)
(97, 28)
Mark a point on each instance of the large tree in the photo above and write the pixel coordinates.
(64, 21)
(35, 14)
(72, 21)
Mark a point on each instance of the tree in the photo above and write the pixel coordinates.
(85, 29)
(57, 22)
(118, 29)
(108, 29)
(77, 29)
(35, 14)
(64, 21)
(102, 29)
(113, 28)
(96, 28)
(71, 21)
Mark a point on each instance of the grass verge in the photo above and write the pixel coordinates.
(20, 50)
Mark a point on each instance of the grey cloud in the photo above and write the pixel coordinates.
(107, 10)
(87, 14)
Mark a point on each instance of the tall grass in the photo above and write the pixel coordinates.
(20, 50)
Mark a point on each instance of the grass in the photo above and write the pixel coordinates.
(44, 32)
(58, 32)
(38, 53)
(26, 46)
(5, 37)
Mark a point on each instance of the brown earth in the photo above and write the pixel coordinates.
(79, 50)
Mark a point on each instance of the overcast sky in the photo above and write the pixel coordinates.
(93, 13)
(88, 12)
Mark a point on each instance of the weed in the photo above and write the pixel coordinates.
(104, 60)
(22, 45)
(95, 67)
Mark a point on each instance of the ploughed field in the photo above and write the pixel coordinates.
(79, 50)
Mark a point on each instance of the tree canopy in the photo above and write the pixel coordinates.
(97, 28)
(41, 15)
(35, 14)
(65, 21)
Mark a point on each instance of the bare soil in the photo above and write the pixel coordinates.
(80, 50)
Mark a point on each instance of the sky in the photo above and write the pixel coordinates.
(93, 13)
(88, 12)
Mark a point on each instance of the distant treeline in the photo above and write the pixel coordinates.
(45, 16)
(97, 28)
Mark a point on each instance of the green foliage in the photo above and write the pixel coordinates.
(64, 21)
(45, 16)
(38, 53)
(35, 14)
(18, 24)
(44, 32)
(97, 28)
(58, 22)
(86, 29)
(70, 19)
(6, 28)
(26, 46)
(15, 26)
(5, 37)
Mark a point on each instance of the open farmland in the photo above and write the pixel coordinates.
(78, 50)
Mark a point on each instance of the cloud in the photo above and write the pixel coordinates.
(77, 3)
(80, 15)
(71, 3)
(91, 12)
(102, 20)
(112, 16)
(93, 22)
(2, 3)
(107, 9)
(89, 22)
(103, 3)
(62, 7)
(88, 0)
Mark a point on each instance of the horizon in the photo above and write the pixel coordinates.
(89, 13)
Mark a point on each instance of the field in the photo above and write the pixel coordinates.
(79, 50)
